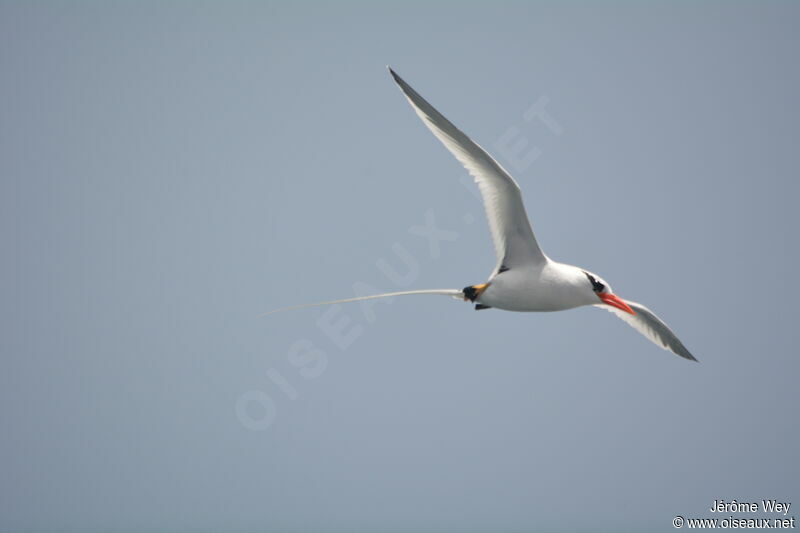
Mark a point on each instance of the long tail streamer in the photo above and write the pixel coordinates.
(446, 292)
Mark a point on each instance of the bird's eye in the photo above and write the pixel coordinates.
(596, 285)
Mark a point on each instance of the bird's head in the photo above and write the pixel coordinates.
(603, 292)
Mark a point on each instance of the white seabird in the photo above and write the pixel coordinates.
(524, 279)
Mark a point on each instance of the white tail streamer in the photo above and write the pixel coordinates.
(457, 294)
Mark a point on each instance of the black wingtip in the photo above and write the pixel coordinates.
(396, 78)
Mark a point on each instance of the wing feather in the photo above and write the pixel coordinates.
(648, 324)
(514, 241)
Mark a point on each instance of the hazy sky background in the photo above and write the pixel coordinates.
(170, 170)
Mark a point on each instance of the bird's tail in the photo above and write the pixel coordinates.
(457, 294)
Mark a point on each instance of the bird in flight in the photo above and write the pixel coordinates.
(524, 279)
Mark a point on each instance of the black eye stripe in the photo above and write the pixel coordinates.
(596, 285)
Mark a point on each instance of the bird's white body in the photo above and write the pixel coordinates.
(524, 279)
(549, 287)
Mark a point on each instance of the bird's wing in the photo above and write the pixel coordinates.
(455, 293)
(514, 242)
(648, 324)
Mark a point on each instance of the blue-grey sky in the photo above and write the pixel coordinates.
(170, 170)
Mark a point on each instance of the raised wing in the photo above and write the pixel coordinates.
(648, 324)
(514, 242)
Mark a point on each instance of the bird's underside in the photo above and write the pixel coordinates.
(524, 278)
